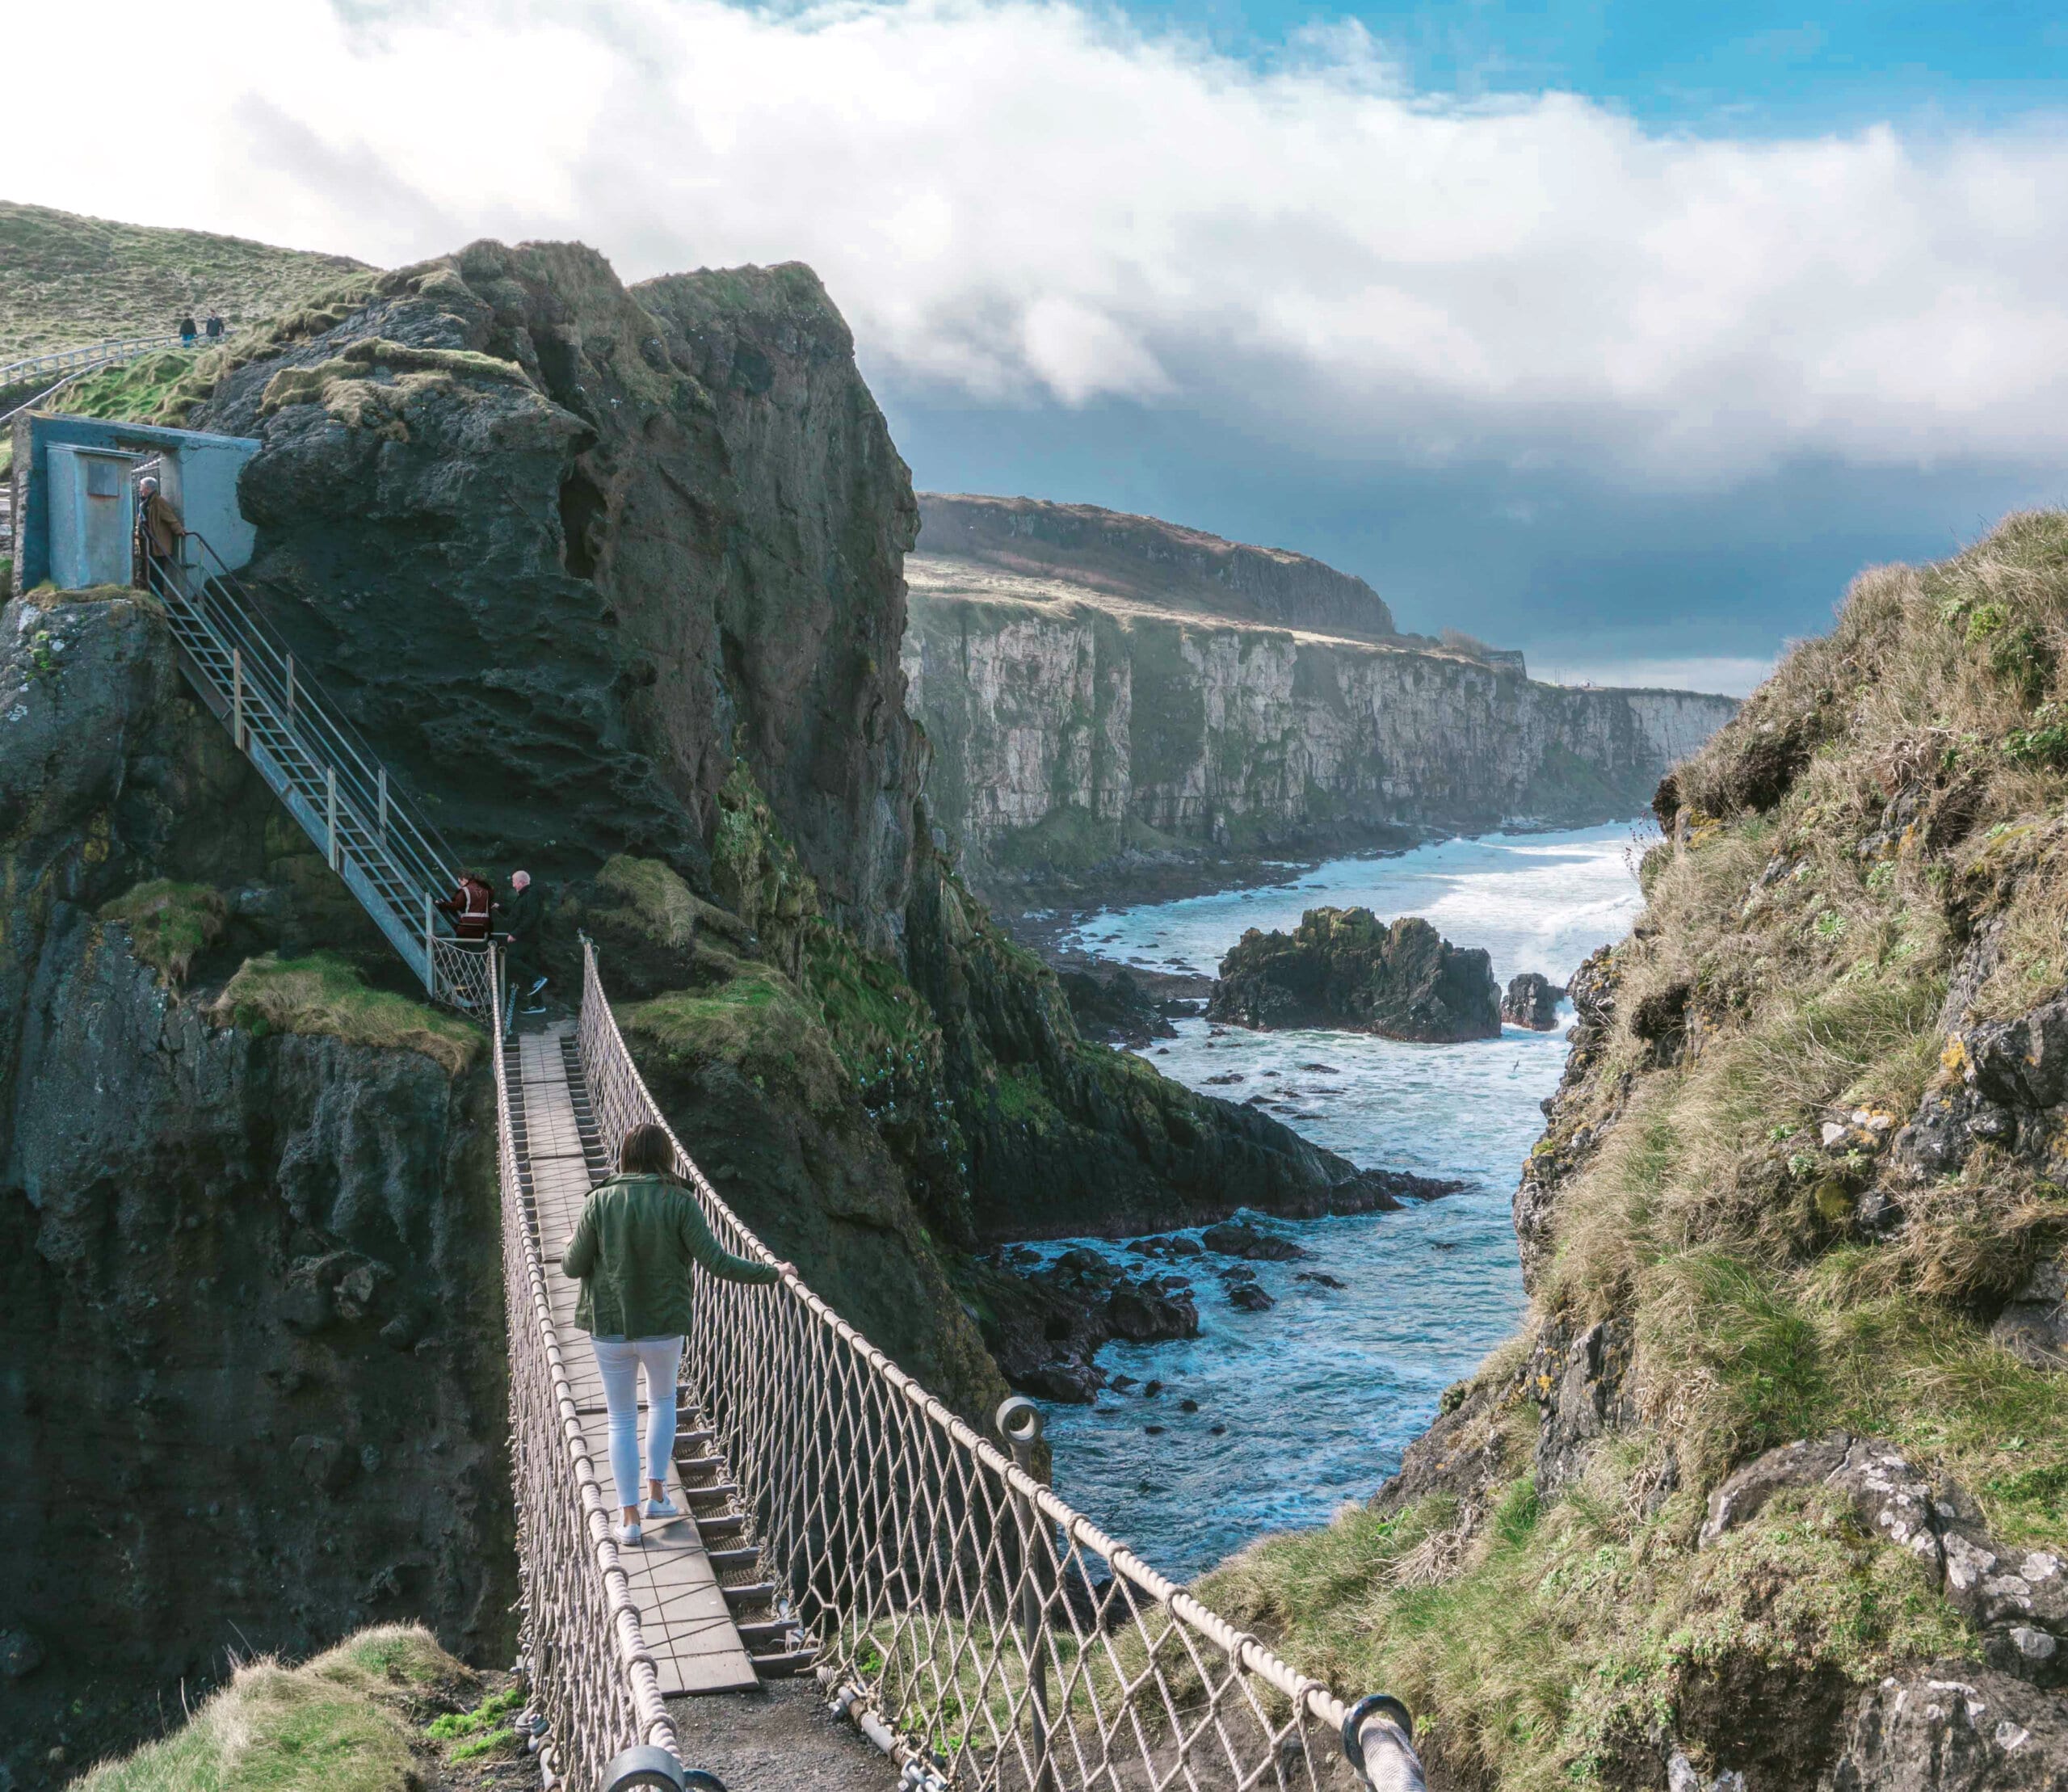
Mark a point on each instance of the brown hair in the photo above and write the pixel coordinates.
(647, 1150)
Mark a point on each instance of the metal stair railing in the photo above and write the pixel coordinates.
(317, 763)
(89, 356)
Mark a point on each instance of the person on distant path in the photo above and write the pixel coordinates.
(631, 1251)
(186, 332)
(215, 328)
(159, 531)
(471, 906)
(522, 922)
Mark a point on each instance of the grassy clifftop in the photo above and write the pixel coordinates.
(1807, 1176)
(75, 280)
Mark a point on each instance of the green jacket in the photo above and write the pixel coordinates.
(631, 1250)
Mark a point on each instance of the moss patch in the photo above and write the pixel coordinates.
(323, 994)
(169, 924)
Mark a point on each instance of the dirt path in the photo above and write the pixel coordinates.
(780, 1739)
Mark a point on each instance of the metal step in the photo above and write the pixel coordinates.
(725, 1527)
(758, 1593)
(785, 1667)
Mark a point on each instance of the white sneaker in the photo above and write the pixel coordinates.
(628, 1535)
(662, 1508)
(537, 986)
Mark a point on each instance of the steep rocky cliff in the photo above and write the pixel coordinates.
(1072, 722)
(253, 1390)
(1772, 1491)
(1155, 562)
(563, 551)
(615, 574)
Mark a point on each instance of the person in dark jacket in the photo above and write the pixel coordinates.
(215, 328)
(522, 922)
(633, 1250)
(186, 332)
(471, 906)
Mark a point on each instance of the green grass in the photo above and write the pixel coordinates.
(154, 389)
(342, 1722)
(169, 923)
(1531, 1647)
(73, 280)
(322, 994)
(1807, 926)
(471, 1735)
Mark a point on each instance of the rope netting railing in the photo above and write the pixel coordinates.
(1003, 1638)
(592, 1678)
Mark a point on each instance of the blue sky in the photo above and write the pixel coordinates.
(1622, 333)
(1739, 68)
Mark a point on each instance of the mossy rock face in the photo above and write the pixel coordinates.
(751, 1079)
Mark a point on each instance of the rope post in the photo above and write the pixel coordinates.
(290, 683)
(647, 1767)
(1020, 1424)
(380, 780)
(429, 951)
(1378, 1741)
(236, 697)
(330, 815)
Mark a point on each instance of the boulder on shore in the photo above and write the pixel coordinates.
(1344, 968)
(1532, 1001)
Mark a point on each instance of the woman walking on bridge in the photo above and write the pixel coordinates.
(631, 1251)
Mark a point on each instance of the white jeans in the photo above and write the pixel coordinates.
(619, 1361)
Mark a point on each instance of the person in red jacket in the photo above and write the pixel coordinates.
(472, 907)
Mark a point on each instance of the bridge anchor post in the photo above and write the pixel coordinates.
(1019, 1422)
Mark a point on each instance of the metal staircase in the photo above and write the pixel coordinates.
(316, 763)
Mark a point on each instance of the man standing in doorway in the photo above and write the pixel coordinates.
(524, 920)
(158, 532)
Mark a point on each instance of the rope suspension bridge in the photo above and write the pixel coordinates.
(839, 1520)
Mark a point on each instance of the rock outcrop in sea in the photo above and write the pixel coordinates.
(1531, 1000)
(1343, 967)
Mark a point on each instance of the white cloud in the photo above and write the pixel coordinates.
(1029, 201)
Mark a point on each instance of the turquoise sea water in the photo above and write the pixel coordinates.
(1319, 1396)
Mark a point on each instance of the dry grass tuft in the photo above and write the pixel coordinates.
(323, 995)
(346, 1722)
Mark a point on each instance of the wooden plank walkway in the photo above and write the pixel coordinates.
(682, 1609)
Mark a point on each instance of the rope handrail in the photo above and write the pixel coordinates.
(589, 1664)
(948, 1587)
